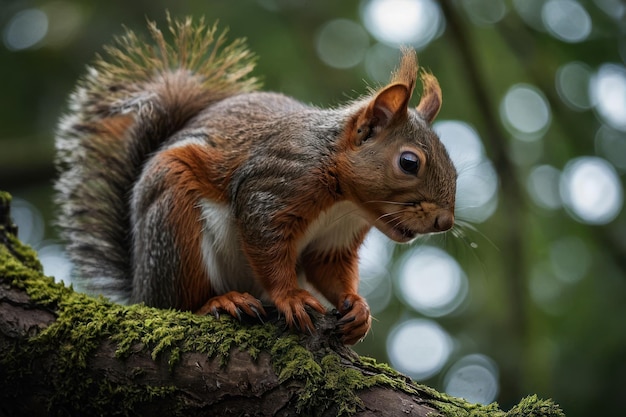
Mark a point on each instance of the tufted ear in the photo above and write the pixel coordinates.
(389, 104)
(430, 102)
(406, 72)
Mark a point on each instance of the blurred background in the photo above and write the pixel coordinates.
(528, 293)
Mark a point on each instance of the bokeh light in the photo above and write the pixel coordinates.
(477, 193)
(380, 60)
(572, 84)
(477, 183)
(542, 185)
(26, 29)
(375, 279)
(611, 144)
(615, 9)
(485, 12)
(570, 259)
(29, 221)
(608, 93)
(31, 230)
(403, 22)
(55, 262)
(566, 20)
(462, 143)
(342, 43)
(530, 12)
(591, 190)
(525, 112)
(419, 348)
(431, 281)
(473, 377)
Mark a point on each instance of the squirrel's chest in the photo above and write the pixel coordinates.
(226, 264)
(335, 228)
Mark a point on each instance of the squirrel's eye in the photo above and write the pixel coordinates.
(409, 162)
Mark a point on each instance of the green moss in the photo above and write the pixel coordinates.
(18, 260)
(171, 333)
(528, 407)
(293, 361)
(8, 231)
(84, 323)
(533, 406)
(329, 381)
(456, 407)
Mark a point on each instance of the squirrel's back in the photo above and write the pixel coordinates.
(123, 111)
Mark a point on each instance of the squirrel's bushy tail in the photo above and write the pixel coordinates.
(128, 104)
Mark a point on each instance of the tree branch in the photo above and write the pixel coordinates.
(64, 353)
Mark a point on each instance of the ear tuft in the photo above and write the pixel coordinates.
(406, 72)
(431, 100)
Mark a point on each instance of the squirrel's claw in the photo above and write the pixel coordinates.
(293, 306)
(234, 303)
(356, 319)
(257, 313)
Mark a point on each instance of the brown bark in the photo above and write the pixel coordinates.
(245, 386)
(65, 354)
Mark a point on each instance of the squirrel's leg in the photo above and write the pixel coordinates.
(336, 276)
(168, 270)
(275, 268)
(170, 267)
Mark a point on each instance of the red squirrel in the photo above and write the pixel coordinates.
(182, 186)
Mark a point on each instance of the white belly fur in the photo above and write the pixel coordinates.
(226, 264)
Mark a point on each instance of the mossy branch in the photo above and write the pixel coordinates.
(64, 353)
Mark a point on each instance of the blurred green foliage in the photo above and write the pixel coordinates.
(550, 335)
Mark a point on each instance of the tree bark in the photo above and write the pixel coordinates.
(64, 353)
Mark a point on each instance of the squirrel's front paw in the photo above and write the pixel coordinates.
(356, 319)
(292, 305)
(234, 303)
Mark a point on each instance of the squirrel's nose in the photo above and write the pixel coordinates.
(444, 220)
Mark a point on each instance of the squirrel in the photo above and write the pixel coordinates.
(183, 186)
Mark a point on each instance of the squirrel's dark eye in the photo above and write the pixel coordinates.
(409, 162)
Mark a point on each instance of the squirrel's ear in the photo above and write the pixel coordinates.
(389, 104)
(430, 102)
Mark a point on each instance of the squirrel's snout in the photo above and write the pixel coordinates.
(444, 221)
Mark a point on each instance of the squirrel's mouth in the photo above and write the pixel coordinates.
(406, 233)
(396, 229)
(399, 233)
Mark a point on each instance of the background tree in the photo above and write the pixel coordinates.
(529, 295)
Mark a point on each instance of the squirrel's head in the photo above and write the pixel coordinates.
(396, 168)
